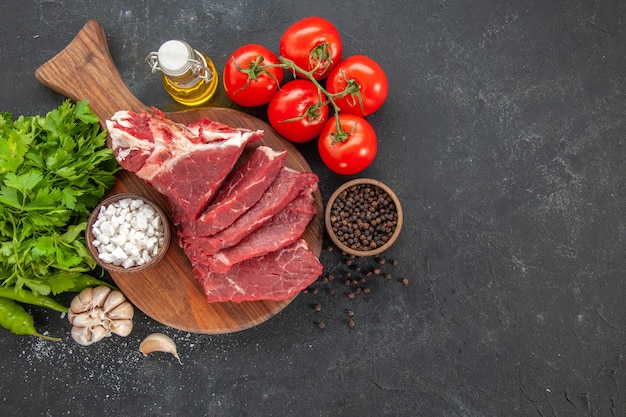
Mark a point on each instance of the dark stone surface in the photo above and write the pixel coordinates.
(503, 136)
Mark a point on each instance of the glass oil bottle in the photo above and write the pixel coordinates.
(188, 75)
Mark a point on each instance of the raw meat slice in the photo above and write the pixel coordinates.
(285, 272)
(281, 230)
(287, 185)
(239, 192)
(185, 163)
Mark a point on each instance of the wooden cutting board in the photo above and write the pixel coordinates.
(84, 70)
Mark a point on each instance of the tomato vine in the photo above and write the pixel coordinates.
(310, 50)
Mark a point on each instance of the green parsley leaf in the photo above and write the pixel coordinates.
(54, 169)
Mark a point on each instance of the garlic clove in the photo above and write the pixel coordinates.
(82, 336)
(83, 301)
(124, 310)
(86, 319)
(113, 300)
(87, 335)
(121, 327)
(89, 298)
(159, 342)
(100, 295)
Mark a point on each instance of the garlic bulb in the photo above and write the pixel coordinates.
(158, 342)
(96, 313)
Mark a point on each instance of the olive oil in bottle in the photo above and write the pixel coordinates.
(188, 75)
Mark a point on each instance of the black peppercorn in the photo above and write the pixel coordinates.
(363, 217)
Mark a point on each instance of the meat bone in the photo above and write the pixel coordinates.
(84, 70)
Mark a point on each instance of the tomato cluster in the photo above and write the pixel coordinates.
(328, 98)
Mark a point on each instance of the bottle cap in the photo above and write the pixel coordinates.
(175, 57)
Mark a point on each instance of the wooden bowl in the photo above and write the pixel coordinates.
(331, 217)
(89, 235)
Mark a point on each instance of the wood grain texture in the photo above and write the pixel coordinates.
(84, 70)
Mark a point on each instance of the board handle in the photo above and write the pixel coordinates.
(84, 70)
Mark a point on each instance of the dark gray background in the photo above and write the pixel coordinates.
(503, 135)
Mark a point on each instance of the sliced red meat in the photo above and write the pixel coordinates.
(240, 191)
(287, 185)
(185, 163)
(276, 276)
(282, 229)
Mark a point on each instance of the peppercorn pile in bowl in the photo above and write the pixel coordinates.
(363, 217)
(128, 233)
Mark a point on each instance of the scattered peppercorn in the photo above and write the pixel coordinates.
(359, 274)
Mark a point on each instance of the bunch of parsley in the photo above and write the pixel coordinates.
(54, 169)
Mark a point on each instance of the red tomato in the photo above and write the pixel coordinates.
(351, 151)
(246, 81)
(296, 111)
(365, 84)
(312, 42)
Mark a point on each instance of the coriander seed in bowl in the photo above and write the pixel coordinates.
(128, 233)
(363, 217)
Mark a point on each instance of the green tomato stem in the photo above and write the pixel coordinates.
(255, 69)
(352, 88)
(340, 135)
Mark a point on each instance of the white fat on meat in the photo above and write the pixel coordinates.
(175, 140)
